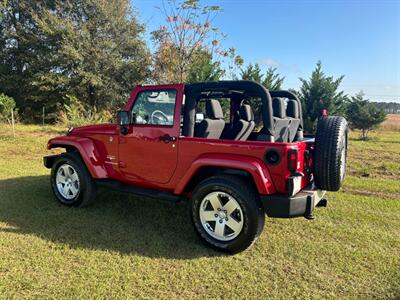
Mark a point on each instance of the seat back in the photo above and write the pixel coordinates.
(281, 122)
(243, 125)
(293, 114)
(247, 118)
(213, 125)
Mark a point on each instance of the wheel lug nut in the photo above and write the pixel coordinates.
(226, 219)
(219, 209)
(216, 215)
(220, 221)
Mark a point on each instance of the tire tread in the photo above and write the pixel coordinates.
(254, 210)
(330, 134)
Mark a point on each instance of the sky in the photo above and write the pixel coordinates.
(358, 39)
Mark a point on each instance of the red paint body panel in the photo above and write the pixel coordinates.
(89, 153)
(193, 149)
(144, 157)
(253, 166)
(140, 158)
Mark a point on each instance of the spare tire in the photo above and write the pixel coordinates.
(330, 153)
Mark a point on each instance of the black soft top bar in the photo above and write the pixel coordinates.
(193, 93)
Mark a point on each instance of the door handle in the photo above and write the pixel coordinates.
(166, 138)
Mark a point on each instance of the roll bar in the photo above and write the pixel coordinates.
(193, 93)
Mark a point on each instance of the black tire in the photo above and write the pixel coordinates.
(86, 188)
(252, 213)
(330, 153)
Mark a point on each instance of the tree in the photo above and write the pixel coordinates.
(252, 72)
(203, 68)
(90, 49)
(363, 115)
(22, 51)
(318, 93)
(100, 54)
(6, 105)
(388, 107)
(186, 37)
(271, 80)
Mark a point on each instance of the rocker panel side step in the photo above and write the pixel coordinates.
(139, 191)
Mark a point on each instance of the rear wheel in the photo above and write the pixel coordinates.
(330, 153)
(226, 213)
(71, 182)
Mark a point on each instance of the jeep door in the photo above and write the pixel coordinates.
(148, 152)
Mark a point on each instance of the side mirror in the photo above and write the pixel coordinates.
(123, 121)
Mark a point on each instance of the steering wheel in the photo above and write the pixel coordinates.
(158, 117)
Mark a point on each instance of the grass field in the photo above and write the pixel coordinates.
(126, 247)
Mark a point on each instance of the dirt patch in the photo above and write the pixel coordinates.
(393, 196)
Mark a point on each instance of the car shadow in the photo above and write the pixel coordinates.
(115, 222)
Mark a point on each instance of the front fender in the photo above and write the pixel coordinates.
(255, 167)
(86, 148)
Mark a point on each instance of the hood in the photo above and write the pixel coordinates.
(94, 129)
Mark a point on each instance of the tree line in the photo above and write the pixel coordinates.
(388, 107)
(86, 55)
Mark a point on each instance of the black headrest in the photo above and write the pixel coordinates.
(246, 113)
(292, 109)
(214, 110)
(278, 106)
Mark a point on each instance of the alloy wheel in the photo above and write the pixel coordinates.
(221, 216)
(67, 181)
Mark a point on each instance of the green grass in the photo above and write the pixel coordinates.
(126, 247)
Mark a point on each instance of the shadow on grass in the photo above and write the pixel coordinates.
(116, 222)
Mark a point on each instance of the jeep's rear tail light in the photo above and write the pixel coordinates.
(292, 160)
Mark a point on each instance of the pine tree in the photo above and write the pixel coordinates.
(203, 68)
(252, 72)
(271, 80)
(318, 93)
(363, 115)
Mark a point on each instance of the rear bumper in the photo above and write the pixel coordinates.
(301, 204)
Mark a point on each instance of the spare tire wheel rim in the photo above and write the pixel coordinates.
(67, 181)
(221, 216)
(343, 155)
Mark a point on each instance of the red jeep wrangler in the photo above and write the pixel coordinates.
(201, 142)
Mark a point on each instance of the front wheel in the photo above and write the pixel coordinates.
(71, 182)
(226, 214)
